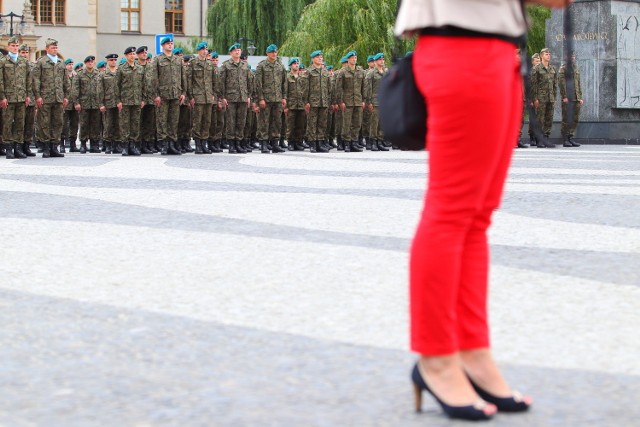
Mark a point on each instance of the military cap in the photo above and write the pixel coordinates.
(149, 55)
(234, 46)
(202, 45)
(101, 64)
(343, 60)
(68, 61)
(214, 54)
(78, 65)
(302, 66)
(315, 53)
(13, 40)
(329, 67)
(379, 55)
(112, 56)
(272, 48)
(535, 56)
(370, 58)
(187, 58)
(293, 61)
(546, 49)
(165, 40)
(141, 49)
(23, 48)
(350, 54)
(89, 58)
(122, 60)
(129, 50)
(177, 51)
(50, 42)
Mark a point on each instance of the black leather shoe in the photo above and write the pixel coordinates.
(173, 149)
(514, 403)
(198, 147)
(17, 151)
(133, 149)
(355, 147)
(53, 149)
(26, 149)
(8, 152)
(275, 147)
(320, 148)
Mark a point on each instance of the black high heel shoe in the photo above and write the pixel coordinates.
(514, 403)
(469, 412)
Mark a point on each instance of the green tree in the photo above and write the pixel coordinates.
(536, 37)
(337, 26)
(263, 21)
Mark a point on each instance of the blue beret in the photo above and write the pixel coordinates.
(122, 61)
(177, 51)
(378, 56)
(68, 61)
(78, 65)
(272, 48)
(101, 64)
(315, 53)
(350, 54)
(294, 60)
(343, 60)
(329, 67)
(370, 58)
(234, 46)
(165, 40)
(149, 55)
(112, 56)
(129, 50)
(202, 45)
(214, 54)
(301, 66)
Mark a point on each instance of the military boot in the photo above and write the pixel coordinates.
(369, 145)
(247, 146)
(239, 147)
(39, 148)
(125, 149)
(224, 144)
(198, 147)
(263, 147)
(73, 148)
(320, 148)
(333, 143)
(158, 146)
(108, 147)
(93, 148)
(298, 146)
(547, 142)
(573, 143)
(102, 146)
(135, 147)
(144, 148)
(532, 141)
(312, 146)
(187, 145)
(521, 144)
(206, 147)
(17, 151)
(83, 147)
(179, 145)
(165, 147)
(46, 152)
(215, 146)
(340, 144)
(356, 147)
(373, 144)
(53, 148)
(381, 145)
(62, 146)
(3, 150)
(275, 146)
(173, 149)
(27, 150)
(8, 151)
(232, 147)
(116, 147)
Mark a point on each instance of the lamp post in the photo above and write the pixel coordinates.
(250, 46)
(12, 15)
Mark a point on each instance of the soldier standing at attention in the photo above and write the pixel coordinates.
(168, 82)
(217, 110)
(70, 115)
(294, 111)
(545, 89)
(349, 88)
(201, 95)
(84, 95)
(331, 118)
(15, 92)
(148, 113)
(51, 88)
(366, 114)
(535, 60)
(130, 95)
(317, 101)
(270, 78)
(235, 89)
(109, 107)
(184, 122)
(574, 98)
(30, 110)
(372, 84)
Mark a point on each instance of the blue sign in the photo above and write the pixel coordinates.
(159, 37)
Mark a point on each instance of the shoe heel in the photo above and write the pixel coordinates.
(418, 397)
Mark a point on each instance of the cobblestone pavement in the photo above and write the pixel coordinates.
(270, 290)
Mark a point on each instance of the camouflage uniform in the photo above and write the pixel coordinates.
(349, 88)
(235, 88)
(331, 117)
(575, 98)
(30, 112)
(15, 87)
(200, 88)
(148, 116)
(251, 125)
(71, 122)
(185, 121)
(270, 78)
(317, 94)
(217, 112)
(130, 91)
(296, 116)
(371, 86)
(366, 114)
(544, 89)
(107, 90)
(85, 94)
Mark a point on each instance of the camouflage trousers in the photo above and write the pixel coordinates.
(148, 123)
(29, 123)
(50, 122)
(184, 122)
(130, 123)
(90, 124)
(112, 125)
(375, 130)
(269, 121)
(338, 118)
(251, 125)
(544, 112)
(367, 116)
(13, 124)
(351, 121)
(201, 121)
(296, 125)
(167, 116)
(216, 128)
(566, 129)
(236, 118)
(317, 123)
(71, 122)
(331, 125)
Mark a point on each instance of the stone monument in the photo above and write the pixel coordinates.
(607, 45)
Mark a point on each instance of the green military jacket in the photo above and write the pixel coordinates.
(167, 77)
(130, 84)
(294, 91)
(252, 86)
(270, 77)
(107, 89)
(317, 86)
(200, 81)
(544, 83)
(216, 82)
(50, 81)
(15, 79)
(85, 89)
(350, 86)
(148, 94)
(371, 86)
(32, 66)
(234, 81)
(576, 81)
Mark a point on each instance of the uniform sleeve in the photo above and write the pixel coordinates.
(116, 89)
(37, 80)
(2, 94)
(284, 81)
(222, 83)
(578, 85)
(562, 83)
(29, 81)
(100, 91)
(366, 92)
(306, 89)
(75, 90)
(258, 82)
(183, 81)
(339, 89)
(189, 88)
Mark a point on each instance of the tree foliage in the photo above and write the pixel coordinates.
(536, 37)
(263, 21)
(337, 26)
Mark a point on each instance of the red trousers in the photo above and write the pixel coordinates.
(474, 98)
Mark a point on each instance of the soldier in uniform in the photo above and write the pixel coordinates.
(148, 113)
(317, 101)
(70, 128)
(251, 126)
(535, 60)
(84, 95)
(168, 81)
(574, 98)
(349, 88)
(184, 122)
(51, 88)
(545, 89)
(109, 106)
(270, 78)
(339, 115)
(130, 95)
(331, 117)
(15, 93)
(372, 84)
(366, 114)
(201, 95)
(294, 110)
(30, 109)
(235, 89)
(216, 129)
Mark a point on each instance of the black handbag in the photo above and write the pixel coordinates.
(402, 109)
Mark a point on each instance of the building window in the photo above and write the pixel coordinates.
(174, 16)
(49, 11)
(130, 15)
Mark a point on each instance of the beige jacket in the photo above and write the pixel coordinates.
(503, 17)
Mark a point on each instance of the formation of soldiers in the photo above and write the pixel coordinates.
(545, 81)
(144, 105)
